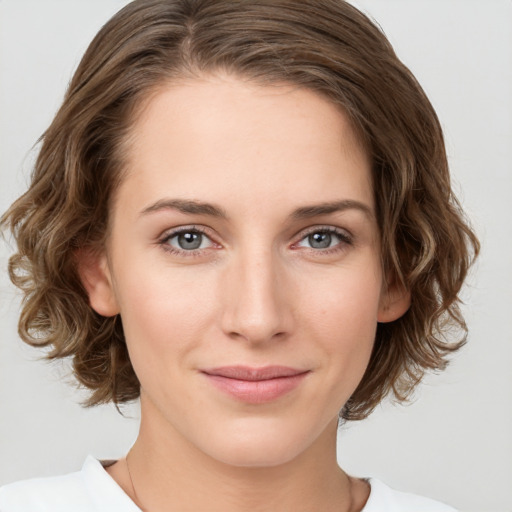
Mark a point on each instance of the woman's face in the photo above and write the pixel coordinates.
(244, 261)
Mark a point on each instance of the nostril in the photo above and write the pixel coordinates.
(255, 337)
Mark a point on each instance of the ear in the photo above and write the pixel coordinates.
(96, 278)
(394, 302)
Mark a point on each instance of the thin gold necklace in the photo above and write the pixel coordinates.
(137, 500)
(138, 503)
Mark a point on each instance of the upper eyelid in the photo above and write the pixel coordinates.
(342, 232)
(205, 230)
(171, 232)
(320, 227)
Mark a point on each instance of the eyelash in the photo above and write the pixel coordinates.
(164, 242)
(345, 239)
(344, 236)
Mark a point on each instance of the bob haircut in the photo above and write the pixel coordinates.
(327, 46)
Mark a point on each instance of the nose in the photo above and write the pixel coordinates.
(256, 298)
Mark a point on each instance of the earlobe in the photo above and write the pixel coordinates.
(97, 280)
(394, 303)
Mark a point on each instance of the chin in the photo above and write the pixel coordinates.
(259, 445)
(256, 456)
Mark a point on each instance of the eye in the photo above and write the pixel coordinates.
(326, 239)
(186, 240)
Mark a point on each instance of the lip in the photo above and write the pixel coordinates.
(255, 385)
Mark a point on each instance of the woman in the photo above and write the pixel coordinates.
(242, 215)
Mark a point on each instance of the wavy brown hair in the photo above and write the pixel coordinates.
(327, 46)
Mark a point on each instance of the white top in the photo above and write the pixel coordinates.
(94, 490)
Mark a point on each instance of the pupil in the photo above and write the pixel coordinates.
(320, 240)
(189, 240)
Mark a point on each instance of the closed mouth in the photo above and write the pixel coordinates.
(248, 373)
(255, 386)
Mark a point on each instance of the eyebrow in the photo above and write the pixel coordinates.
(306, 212)
(191, 206)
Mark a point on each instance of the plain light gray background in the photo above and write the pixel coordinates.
(454, 442)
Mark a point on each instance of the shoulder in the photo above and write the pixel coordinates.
(88, 490)
(384, 499)
(45, 494)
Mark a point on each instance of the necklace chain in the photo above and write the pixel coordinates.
(138, 503)
(137, 500)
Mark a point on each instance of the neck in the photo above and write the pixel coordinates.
(168, 473)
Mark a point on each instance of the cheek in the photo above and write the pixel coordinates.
(164, 312)
(346, 300)
(343, 318)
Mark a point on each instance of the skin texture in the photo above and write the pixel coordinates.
(258, 291)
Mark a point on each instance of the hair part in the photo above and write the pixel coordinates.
(327, 46)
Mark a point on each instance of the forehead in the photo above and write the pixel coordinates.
(214, 137)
